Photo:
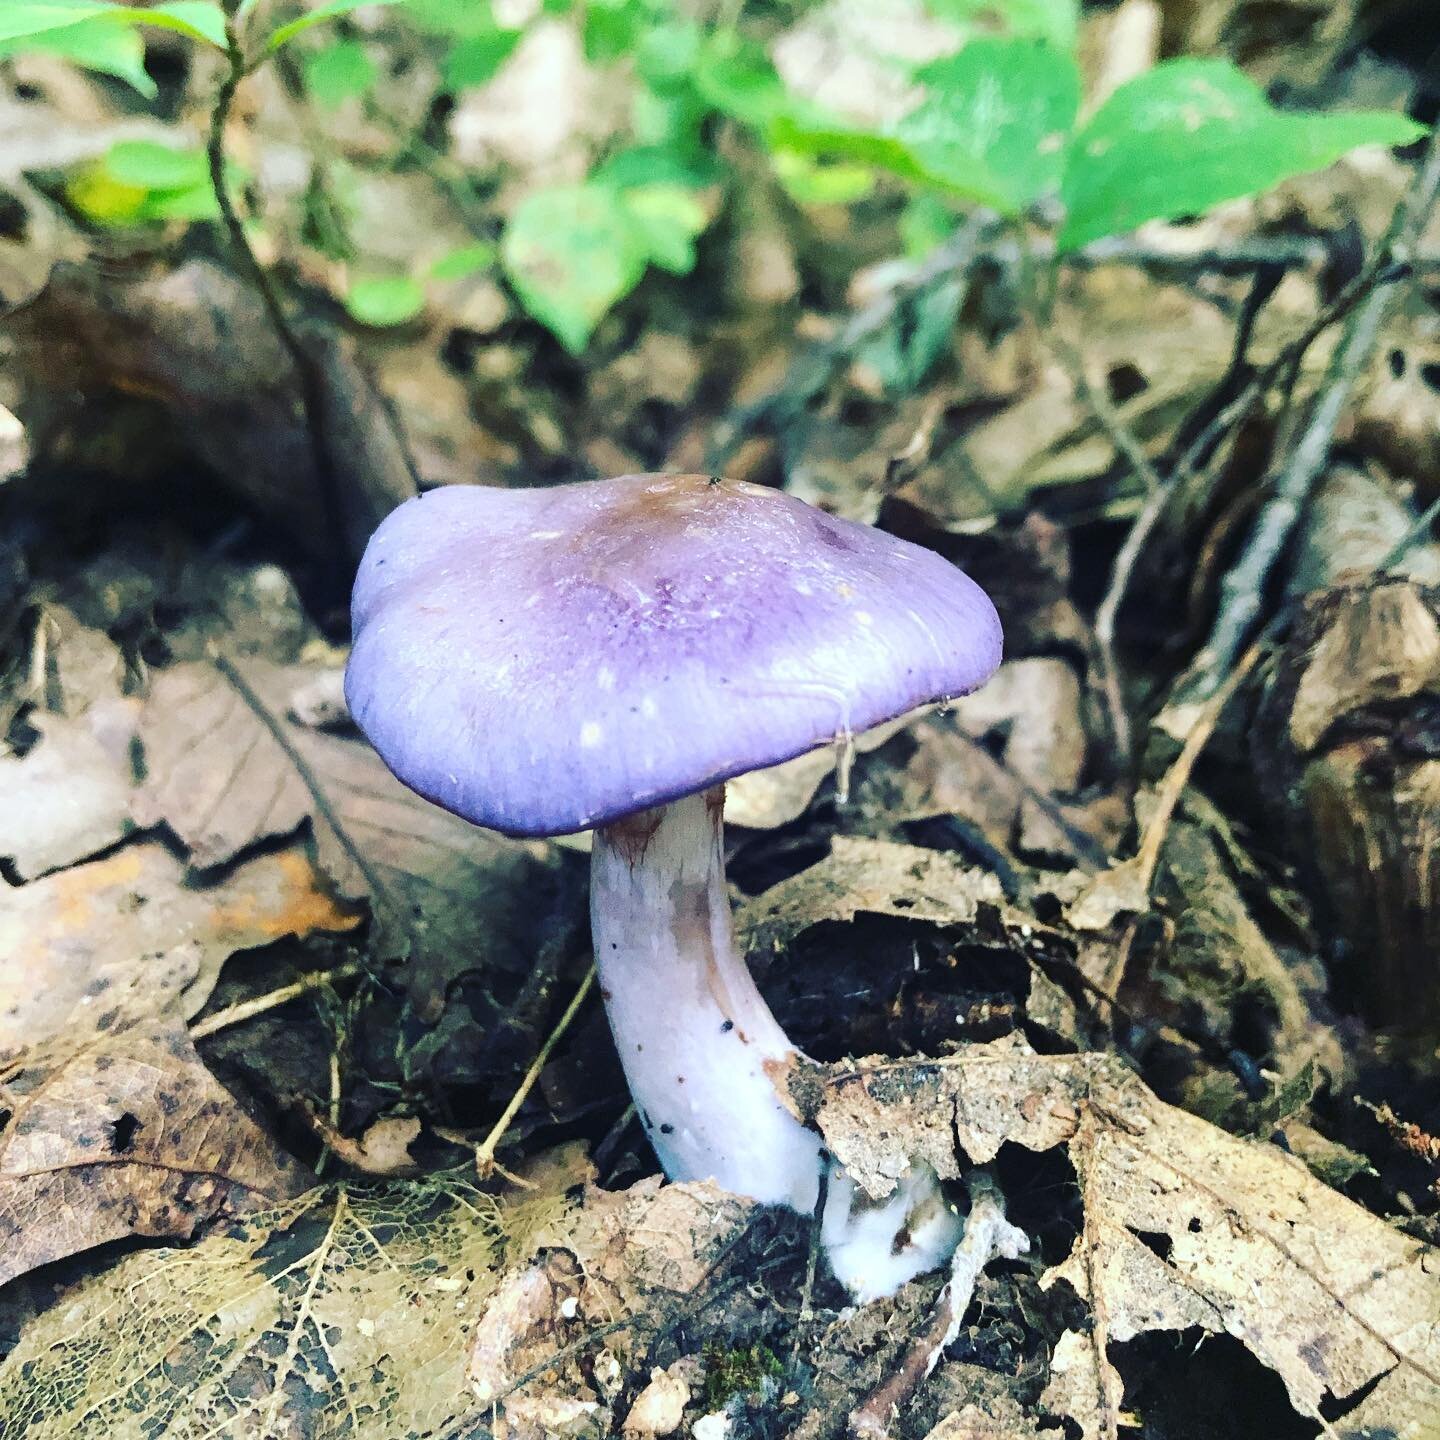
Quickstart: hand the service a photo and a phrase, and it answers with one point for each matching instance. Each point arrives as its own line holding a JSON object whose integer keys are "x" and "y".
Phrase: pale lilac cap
{"x": 542, "y": 661}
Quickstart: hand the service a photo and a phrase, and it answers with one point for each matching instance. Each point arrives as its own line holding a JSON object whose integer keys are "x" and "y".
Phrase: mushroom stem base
{"x": 695, "y": 1036}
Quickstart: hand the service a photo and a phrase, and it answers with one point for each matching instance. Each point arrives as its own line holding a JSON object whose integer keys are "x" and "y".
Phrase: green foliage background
{"x": 997, "y": 124}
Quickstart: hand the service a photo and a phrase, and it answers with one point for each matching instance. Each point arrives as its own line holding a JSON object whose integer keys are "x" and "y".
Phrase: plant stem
{"x": 307, "y": 370}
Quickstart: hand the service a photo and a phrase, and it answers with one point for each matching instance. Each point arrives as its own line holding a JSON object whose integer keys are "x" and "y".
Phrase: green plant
{"x": 997, "y": 124}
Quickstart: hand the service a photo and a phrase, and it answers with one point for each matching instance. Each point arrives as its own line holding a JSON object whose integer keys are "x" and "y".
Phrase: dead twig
{"x": 988, "y": 1236}
{"x": 244, "y": 1010}
{"x": 485, "y": 1151}
{"x": 1129, "y": 447}
{"x": 1243, "y": 589}
{"x": 1177, "y": 777}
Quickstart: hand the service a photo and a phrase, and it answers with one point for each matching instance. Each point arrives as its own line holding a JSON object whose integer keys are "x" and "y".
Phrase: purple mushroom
{"x": 604, "y": 656}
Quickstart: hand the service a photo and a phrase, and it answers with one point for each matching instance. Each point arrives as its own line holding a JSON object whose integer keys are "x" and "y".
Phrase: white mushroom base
{"x": 699, "y": 1046}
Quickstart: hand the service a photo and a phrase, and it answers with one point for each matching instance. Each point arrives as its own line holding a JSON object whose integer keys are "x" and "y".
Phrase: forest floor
{"x": 301, "y": 1131}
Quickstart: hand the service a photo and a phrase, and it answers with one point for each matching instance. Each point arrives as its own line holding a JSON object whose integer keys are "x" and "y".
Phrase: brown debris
{"x": 126, "y": 1135}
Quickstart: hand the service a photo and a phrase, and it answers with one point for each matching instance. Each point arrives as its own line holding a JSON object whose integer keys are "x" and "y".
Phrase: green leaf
{"x": 612, "y": 28}
{"x": 735, "y": 77}
{"x": 96, "y": 44}
{"x": 384, "y": 300}
{"x": 571, "y": 253}
{"x": 992, "y": 127}
{"x": 927, "y": 221}
{"x": 199, "y": 19}
{"x": 815, "y": 182}
{"x": 666, "y": 220}
{"x": 995, "y": 120}
{"x": 906, "y": 351}
{"x": 475, "y": 60}
{"x": 1054, "y": 20}
{"x": 468, "y": 260}
{"x": 149, "y": 165}
{"x": 1191, "y": 133}
{"x": 455, "y": 19}
{"x": 657, "y": 165}
{"x": 338, "y": 73}
{"x": 318, "y": 16}
{"x": 139, "y": 182}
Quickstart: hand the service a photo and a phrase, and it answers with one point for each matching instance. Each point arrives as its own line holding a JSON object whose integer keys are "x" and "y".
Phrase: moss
{"x": 741, "y": 1371}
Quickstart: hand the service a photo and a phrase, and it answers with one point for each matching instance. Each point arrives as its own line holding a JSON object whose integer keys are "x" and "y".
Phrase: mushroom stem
{"x": 700, "y": 1048}
{"x": 694, "y": 1034}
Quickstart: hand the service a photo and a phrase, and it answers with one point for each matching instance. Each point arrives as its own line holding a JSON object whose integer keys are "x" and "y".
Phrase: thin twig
{"x": 1204, "y": 452}
{"x": 380, "y": 895}
{"x": 307, "y": 371}
{"x": 485, "y": 1150}
{"x": 1129, "y": 447}
{"x": 1177, "y": 777}
{"x": 814, "y": 368}
{"x": 244, "y": 1010}
{"x": 1243, "y": 589}
{"x": 1420, "y": 530}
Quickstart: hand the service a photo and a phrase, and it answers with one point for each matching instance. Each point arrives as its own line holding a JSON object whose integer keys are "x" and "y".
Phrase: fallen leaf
{"x": 870, "y": 876}
{"x": 132, "y": 377}
{"x": 627, "y": 1261}
{"x": 1002, "y": 1419}
{"x": 344, "y": 1313}
{"x": 74, "y": 944}
{"x": 227, "y": 768}
{"x": 1185, "y": 1226}
{"x": 128, "y": 1134}
{"x": 767, "y": 799}
{"x": 68, "y": 797}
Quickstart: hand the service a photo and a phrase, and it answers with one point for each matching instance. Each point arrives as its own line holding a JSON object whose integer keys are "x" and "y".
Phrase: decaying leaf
{"x": 163, "y": 357}
{"x": 128, "y": 1134}
{"x": 870, "y": 876}
{"x": 371, "y": 1312}
{"x": 1000, "y": 1420}
{"x": 1030, "y": 711}
{"x": 344, "y": 1313}
{"x": 1185, "y": 1226}
{"x": 227, "y": 768}
{"x": 68, "y": 797}
{"x": 765, "y": 799}
{"x": 632, "y": 1258}
{"x": 82, "y": 947}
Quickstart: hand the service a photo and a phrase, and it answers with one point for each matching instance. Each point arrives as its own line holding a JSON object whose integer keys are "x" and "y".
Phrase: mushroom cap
{"x": 543, "y": 661}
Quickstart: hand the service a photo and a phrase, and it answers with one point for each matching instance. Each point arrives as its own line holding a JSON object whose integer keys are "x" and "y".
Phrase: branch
{"x": 1242, "y": 592}
{"x": 813, "y": 370}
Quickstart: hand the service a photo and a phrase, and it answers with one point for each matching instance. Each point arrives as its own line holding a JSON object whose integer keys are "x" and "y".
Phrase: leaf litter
{"x": 1052, "y": 1006}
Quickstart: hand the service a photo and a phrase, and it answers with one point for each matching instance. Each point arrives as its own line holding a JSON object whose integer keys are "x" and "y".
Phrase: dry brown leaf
{"x": 766, "y": 799}
{"x": 68, "y": 797}
{"x": 1032, "y": 708}
{"x": 128, "y": 1134}
{"x": 1001, "y": 1419}
{"x": 868, "y": 876}
{"x": 79, "y": 664}
{"x": 1185, "y": 1226}
{"x": 83, "y": 946}
{"x": 228, "y": 768}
